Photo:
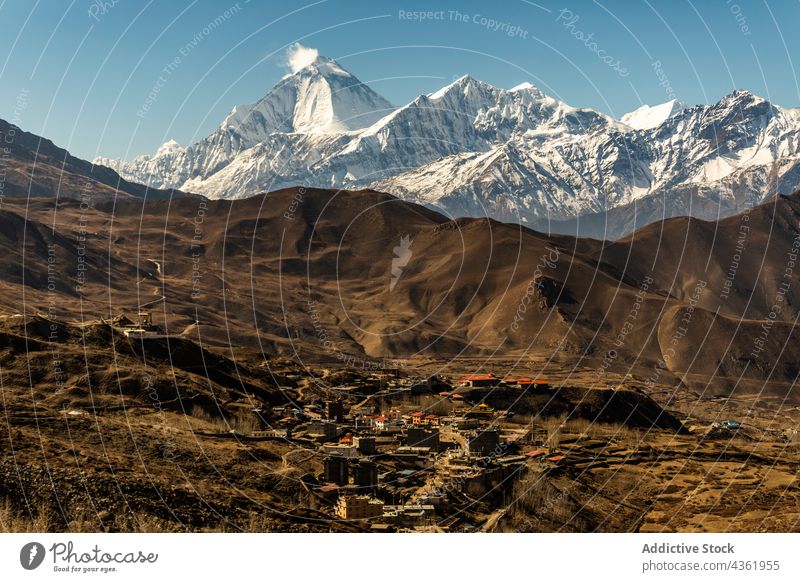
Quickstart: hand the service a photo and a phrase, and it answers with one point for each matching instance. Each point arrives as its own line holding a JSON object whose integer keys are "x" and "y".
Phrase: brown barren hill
{"x": 360, "y": 274}
{"x": 35, "y": 166}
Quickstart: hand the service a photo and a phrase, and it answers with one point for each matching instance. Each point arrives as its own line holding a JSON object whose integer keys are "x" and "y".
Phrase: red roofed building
{"x": 421, "y": 419}
{"x": 527, "y": 382}
{"x": 517, "y": 380}
{"x": 479, "y": 380}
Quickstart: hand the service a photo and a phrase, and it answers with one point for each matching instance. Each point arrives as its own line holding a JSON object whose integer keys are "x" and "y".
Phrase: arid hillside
{"x": 362, "y": 276}
{"x": 35, "y": 166}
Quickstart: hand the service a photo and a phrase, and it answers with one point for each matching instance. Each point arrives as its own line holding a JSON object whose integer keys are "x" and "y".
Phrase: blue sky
{"x": 79, "y": 72}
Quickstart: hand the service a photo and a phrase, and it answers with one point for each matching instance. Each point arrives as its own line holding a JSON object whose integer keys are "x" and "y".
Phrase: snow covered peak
{"x": 523, "y": 87}
{"x": 472, "y": 149}
{"x": 740, "y": 100}
{"x": 465, "y": 85}
{"x": 647, "y": 117}
{"x": 746, "y": 111}
{"x": 324, "y": 66}
{"x": 168, "y": 148}
{"x": 739, "y": 96}
{"x": 320, "y": 97}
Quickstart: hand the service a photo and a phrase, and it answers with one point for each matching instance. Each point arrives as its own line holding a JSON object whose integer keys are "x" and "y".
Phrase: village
{"x": 415, "y": 448}
{"x": 469, "y": 446}
{"x": 395, "y": 464}
{"x": 387, "y": 451}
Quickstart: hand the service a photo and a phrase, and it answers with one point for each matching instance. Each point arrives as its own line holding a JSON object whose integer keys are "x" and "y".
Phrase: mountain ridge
{"x": 473, "y": 149}
{"x": 34, "y": 166}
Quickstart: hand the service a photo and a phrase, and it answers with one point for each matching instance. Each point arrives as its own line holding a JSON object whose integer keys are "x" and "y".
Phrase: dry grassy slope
{"x": 753, "y": 252}
{"x": 293, "y": 270}
{"x": 682, "y": 251}
{"x": 90, "y": 367}
{"x": 107, "y": 434}
{"x": 723, "y": 346}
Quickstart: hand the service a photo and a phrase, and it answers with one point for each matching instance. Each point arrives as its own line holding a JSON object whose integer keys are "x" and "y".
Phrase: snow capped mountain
{"x": 170, "y": 147}
{"x": 320, "y": 98}
{"x": 647, "y": 117}
{"x": 472, "y": 148}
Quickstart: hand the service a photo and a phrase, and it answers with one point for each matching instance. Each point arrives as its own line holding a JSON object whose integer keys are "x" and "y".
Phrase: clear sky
{"x": 119, "y": 77}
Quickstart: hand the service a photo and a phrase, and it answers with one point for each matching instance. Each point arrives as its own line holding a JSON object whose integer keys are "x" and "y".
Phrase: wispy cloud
{"x": 299, "y": 56}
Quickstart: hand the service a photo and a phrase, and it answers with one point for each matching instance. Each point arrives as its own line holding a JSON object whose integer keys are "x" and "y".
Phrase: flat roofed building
{"x": 365, "y": 474}
{"x": 334, "y": 410}
{"x": 483, "y": 442}
{"x": 336, "y": 470}
{"x": 366, "y": 445}
{"x": 340, "y": 449}
{"x": 423, "y": 437}
{"x": 359, "y": 507}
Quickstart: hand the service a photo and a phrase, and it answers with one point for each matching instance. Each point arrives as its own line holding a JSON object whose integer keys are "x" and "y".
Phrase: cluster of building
{"x": 392, "y": 465}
